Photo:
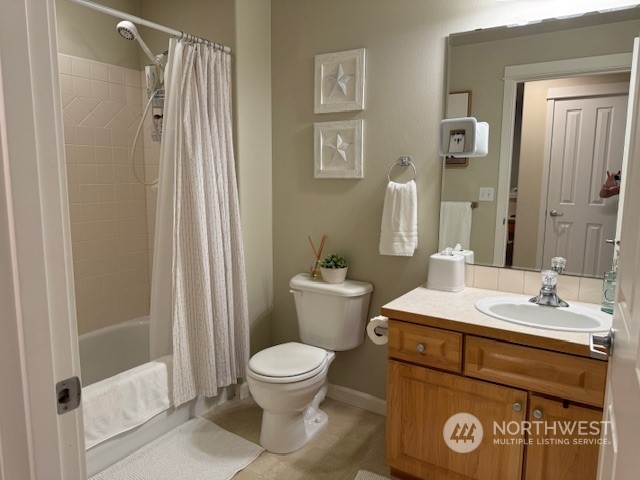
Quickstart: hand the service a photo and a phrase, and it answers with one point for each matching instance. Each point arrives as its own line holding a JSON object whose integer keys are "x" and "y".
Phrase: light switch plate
{"x": 486, "y": 194}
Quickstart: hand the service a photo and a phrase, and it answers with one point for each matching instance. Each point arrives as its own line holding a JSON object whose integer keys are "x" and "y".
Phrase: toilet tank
{"x": 331, "y": 316}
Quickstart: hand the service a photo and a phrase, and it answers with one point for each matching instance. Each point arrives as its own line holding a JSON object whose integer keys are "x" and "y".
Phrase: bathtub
{"x": 116, "y": 349}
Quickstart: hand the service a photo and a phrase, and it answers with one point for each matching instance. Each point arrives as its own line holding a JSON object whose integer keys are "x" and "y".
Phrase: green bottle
{"x": 609, "y": 285}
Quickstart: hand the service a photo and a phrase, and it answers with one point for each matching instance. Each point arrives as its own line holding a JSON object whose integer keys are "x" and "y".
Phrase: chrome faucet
{"x": 548, "y": 296}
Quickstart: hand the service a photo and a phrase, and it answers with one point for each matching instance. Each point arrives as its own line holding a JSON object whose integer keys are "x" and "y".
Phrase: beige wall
{"x": 405, "y": 42}
{"x": 85, "y": 33}
{"x": 211, "y": 19}
{"x": 253, "y": 140}
{"x": 480, "y": 67}
{"x": 532, "y": 155}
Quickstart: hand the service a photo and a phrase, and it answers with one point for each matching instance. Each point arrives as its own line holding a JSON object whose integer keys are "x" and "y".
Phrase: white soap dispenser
{"x": 446, "y": 271}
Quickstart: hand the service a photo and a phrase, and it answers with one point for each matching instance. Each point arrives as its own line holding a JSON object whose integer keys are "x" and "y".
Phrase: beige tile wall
{"x": 581, "y": 289}
{"x": 102, "y": 104}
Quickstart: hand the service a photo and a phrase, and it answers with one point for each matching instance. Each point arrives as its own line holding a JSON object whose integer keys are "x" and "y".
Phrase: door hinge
{"x": 68, "y": 393}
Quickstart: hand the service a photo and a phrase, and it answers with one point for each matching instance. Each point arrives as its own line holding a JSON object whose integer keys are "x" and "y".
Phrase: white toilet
{"x": 288, "y": 381}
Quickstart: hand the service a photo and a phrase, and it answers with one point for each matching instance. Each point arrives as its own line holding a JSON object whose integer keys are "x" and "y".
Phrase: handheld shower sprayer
{"x": 128, "y": 31}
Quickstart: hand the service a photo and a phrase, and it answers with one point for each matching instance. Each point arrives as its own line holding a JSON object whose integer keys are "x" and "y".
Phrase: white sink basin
{"x": 568, "y": 319}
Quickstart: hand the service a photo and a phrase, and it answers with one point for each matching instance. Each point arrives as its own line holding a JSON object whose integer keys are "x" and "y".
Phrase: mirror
{"x": 554, "y": 94}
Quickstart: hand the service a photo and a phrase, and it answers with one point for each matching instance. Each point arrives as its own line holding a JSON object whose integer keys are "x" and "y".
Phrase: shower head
{"x": 128, "y": 31}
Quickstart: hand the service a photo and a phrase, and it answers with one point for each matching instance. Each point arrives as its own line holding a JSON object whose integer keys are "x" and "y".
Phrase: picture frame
{"x": 338, "y": 149}
{"x": 458, "y": 105}
{"x": 339, "y": 81}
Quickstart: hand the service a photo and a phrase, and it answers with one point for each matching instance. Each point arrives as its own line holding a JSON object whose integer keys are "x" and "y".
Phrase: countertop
{"x": 457, "y": 311}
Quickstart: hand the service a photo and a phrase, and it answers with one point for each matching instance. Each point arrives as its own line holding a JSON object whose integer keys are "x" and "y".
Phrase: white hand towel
{"x": 126, "y": 400}
{"x": 455, "y": 225}
{"x": 399, "y": 228}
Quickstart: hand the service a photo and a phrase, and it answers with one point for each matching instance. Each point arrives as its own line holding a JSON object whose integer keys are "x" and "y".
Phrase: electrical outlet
{"x": 486, "y": 194}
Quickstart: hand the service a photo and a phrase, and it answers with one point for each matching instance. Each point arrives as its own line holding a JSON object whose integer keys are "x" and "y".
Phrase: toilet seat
{"x": 287, "y": 363}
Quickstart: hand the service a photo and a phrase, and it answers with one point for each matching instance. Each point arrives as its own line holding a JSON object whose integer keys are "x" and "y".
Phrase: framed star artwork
{"x": 338, "y": 149}
{"x": 339, "y": 81}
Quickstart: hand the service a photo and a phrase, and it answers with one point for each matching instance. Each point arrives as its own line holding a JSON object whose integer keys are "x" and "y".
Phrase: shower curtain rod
{"x": 141, "y": 21}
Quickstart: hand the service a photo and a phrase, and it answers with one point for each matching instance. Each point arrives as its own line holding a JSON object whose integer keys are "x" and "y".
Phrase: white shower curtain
{"x": 199, "y": 307}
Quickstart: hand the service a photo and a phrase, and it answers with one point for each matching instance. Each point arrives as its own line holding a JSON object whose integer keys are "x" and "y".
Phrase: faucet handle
{"x": 549, "y": 278}
{"x": 558, "y": 264}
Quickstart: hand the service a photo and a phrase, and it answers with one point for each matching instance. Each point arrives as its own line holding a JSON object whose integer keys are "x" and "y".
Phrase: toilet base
{"x": 287, "y": 432}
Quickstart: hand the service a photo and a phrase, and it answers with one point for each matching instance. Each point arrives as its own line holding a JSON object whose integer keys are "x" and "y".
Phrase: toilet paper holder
{"x": 380, "y": 331}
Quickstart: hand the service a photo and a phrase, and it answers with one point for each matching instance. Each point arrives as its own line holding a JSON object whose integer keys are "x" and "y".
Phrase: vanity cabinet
{"x": 575, "y": 460}
{"x": 434, "y": 373}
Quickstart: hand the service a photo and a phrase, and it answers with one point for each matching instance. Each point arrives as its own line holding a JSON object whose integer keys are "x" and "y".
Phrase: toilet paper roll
{"x": 380, "y": 323}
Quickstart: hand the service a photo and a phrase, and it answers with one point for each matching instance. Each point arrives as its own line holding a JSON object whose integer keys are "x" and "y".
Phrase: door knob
{"x": 600, "y": 346}
{"x": 555, "y": 213}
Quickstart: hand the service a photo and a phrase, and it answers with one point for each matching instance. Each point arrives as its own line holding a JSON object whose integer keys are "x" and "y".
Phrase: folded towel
{"x": 399, "y": 228}
{"x": 455, "y": 225}
{"x": 126, "y": 400}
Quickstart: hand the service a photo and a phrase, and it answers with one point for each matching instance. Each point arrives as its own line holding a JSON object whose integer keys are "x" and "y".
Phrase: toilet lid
{"x": 287, "y": 360}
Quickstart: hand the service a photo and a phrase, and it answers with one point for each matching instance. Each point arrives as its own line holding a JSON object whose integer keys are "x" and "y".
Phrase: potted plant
{"x": 333, "y": 268}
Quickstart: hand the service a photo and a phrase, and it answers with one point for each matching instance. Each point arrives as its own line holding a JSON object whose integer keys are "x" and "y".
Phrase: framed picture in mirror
{"x": 458, "y": 105}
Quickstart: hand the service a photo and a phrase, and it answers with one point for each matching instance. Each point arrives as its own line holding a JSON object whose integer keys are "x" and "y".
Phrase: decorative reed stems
{"x": 315, "y": 269}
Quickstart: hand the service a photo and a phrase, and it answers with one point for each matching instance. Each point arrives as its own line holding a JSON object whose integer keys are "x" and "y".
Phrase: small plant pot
{"x": 334, "y": 275}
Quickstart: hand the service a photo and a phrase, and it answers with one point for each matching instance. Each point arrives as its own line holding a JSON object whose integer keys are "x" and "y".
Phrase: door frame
{"x": 38, "y": 328}
{"x": 514, "y": 74}
{"x": 554, "y": 94}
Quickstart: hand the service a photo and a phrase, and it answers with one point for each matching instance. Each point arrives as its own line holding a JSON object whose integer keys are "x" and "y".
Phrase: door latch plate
{"x": 68, "y": 393}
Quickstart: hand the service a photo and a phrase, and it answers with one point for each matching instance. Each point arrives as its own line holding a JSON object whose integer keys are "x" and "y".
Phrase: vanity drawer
{"x": 427, "y": 346}
{"x": 565, "y": 376}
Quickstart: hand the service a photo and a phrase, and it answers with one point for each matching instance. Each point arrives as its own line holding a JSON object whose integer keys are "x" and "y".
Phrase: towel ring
{"x": 404, "y": 162}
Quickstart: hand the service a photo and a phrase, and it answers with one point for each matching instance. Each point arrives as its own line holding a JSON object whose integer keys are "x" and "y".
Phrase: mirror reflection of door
{"x": 587, "y": 139}
{"x": 571, "y": 132}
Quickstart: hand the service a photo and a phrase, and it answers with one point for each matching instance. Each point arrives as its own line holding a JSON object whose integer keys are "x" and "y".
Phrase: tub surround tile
{"x": 99, "y": 71}
{"x": 64, "y": 64}
{"x": 80, "y": 67}
{"x": 116, "y": 74}
{"x": 85, "y": 154}
{"x": 109, "y": 210}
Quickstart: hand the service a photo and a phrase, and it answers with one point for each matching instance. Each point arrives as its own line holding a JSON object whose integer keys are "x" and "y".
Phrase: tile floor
{"x": 353, "y": 440}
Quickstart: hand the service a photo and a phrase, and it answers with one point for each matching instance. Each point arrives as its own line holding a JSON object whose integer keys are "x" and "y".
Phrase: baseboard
{"x": 357, "y": 399}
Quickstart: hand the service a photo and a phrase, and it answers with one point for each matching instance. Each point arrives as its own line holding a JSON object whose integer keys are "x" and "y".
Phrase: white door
{"x": 38, "y": 340}
{"x": 619, "y": 458}
{"x": 587, "y": 138}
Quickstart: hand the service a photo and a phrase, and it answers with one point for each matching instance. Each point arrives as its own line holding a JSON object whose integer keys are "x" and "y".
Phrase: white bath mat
{"x": 366, "y": 475}
{"x": 196, "y": 450}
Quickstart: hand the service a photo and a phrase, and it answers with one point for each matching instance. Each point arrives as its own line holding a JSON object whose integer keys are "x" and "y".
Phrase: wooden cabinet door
{"x": 556, "y": 449}
{"x": 419, "y": 403}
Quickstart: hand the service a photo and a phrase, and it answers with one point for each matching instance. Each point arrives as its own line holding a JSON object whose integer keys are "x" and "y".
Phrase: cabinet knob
{"x": 537, "y": 414}
{"x": 517, "y": 407}
{"x": 420, "y": 347}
